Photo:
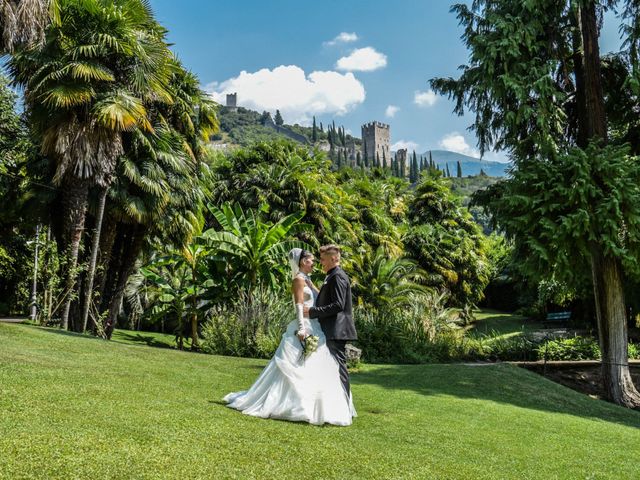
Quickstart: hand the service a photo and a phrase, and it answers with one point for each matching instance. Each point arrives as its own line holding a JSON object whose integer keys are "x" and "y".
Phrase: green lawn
{"x": 501, "y": 323}
{"x": 152, "y": 339}
{"x": 78, "y": 407}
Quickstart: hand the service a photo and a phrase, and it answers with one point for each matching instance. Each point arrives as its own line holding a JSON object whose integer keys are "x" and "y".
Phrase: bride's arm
{"x": 297, "y": 289}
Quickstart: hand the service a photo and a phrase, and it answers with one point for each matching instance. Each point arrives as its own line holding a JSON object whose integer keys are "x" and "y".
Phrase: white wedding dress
{"x": 297, "y": 389}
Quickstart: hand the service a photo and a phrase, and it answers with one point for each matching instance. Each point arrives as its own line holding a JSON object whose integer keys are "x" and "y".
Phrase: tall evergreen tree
{"x": 448, "y": 173}
{"x": 278, "y": 119}
{"x": 458, "y": 169}
{"x": 523, "y": 99}
{"x": 358, "y": 159}
{"x": 314, "y": 132}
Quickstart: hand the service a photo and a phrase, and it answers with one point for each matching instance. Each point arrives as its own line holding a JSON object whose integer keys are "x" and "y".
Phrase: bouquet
{"x": 309, "y": 345}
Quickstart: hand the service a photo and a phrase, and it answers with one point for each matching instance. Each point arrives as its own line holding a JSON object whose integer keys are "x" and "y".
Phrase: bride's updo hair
{"x": 304, "y": 254}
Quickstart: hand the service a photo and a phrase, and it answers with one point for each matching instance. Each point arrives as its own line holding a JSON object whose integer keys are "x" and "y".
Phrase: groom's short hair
{"x": 331, "y": 250}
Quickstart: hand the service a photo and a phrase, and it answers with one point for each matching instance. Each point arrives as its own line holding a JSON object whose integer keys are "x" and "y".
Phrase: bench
{"x": 557, "y": 318}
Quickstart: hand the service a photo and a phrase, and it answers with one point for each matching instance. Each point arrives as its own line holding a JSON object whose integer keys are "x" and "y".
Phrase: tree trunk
{"x": 594, "y": 119}
{"x": 113, "y": 264}
{"x": 130, "y": 254}
{"x": 194, "y": 312}
{"x": 578, "y": 71}
{"x": 607, "y": 273}
{"x": 75, "y": 202}
{"x": 92, "y": 261}
{"x": 612, "y": 329}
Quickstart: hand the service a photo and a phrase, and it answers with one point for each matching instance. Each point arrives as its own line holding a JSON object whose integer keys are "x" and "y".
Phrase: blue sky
{"x": 291, "y": 54}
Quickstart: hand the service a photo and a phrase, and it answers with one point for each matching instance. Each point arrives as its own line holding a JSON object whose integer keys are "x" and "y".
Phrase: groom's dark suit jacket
{"x": 333, "y": 307}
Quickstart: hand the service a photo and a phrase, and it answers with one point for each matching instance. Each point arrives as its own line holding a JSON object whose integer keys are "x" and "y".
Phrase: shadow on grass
{"x": 129, "y": 337}
{"x": 505, "y": 384}
{"x": 123, "y": 337}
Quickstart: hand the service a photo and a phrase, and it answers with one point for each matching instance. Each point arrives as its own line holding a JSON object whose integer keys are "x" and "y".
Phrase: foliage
{"x": 424, "y": 330}
{"x": 251, "y": 326}
{"x": 446, "y": 242}
{"x": 381, "y": 282}
{"x": 576, "y": 348}
{"x": 177, "y": 283}
{"x": 284, "y": 178}
{"x": 566, "y": 204}
{"x": 251, "y": 250}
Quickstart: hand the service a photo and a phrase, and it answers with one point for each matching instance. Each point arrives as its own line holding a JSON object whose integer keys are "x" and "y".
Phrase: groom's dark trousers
{"x": 333, "y": 310}
{"x": 337, "y": 349}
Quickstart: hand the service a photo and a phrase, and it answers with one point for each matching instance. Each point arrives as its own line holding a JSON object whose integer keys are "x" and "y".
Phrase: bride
{"x": 292, "y": 387}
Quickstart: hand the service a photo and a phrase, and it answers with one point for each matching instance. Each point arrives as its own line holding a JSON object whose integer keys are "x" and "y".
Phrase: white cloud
{"x": 425, "y": 99}
{"x": 455, "y": 142}
{"x": 297, "y": 95}
{"x": 343, "y": 37}
{"x": 391, "y": 111}
{"x": 408, "y": 144}
{"x": 364, "y": 59}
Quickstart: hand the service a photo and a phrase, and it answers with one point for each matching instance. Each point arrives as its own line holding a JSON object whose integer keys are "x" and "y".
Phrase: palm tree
{"x": 160, "y": 184}
{"x": 84, "y": 87}
{"x": 180, "y": 279}
{"x": 383, "y": 282}
{"x": 23, "y": 22}
{"x": 253, "y": 251}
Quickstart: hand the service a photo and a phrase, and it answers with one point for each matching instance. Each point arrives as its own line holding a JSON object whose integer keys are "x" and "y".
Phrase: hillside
{"x": 470, "y": 165}
{"x": 79, "y": 407}
{"x": 243, "y": 127}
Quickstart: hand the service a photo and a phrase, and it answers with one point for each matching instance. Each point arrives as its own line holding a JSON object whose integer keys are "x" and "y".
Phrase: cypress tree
{"x": 384, "y": 160}
{"x": 448, "y": 174}
{"x": 459, "y": 170}
{"x": 358, "y": 158}
{"x": 314, "y": 132}
{"x": 279, "y": 120}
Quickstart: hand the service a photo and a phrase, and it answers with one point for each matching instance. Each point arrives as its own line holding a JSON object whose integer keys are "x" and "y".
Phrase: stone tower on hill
{"x": 232, "y": 101}
{"x": 375, "y": 142}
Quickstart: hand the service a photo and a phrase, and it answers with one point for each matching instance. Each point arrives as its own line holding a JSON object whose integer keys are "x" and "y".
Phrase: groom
{"x": 333, "y": 310}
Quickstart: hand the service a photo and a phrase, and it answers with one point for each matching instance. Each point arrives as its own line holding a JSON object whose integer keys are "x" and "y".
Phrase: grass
{"x": 78, "y": 407}
{"x": 151, "y": 339}
{"x": 501, "y": 323}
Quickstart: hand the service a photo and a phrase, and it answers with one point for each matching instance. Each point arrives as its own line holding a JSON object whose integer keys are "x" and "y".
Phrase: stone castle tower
{"x": 375, "y": 140}
{"x": 232, "y": 101}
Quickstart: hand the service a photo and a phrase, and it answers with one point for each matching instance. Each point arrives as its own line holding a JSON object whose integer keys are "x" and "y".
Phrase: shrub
{"x": 425, "y": 331}
{"x": 250, "y": 327}
{"x": 575, "y": 348}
